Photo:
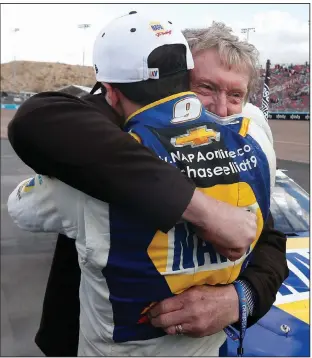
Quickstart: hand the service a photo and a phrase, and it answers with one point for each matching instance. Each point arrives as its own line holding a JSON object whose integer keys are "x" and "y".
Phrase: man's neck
{"x": 129, "y": 108}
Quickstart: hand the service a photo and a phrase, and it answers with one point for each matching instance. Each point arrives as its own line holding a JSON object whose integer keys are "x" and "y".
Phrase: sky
{"x": 49, "y": 32}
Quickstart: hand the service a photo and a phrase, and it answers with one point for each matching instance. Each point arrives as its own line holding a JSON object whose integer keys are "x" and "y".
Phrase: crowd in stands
{"x": 289, "y": 88}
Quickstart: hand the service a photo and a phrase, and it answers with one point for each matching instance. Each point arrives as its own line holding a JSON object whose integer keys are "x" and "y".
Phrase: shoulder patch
{"x": 29, "y": 185}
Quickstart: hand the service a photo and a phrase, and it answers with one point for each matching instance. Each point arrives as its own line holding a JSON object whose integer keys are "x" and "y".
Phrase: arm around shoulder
{"x": 80, "y": 142}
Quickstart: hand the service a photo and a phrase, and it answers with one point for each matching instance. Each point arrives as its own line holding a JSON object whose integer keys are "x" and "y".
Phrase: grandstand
{"x": 289, "y": 89}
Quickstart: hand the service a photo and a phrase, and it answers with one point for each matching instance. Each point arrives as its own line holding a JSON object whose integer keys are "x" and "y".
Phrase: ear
{"x": 111, "y": 95}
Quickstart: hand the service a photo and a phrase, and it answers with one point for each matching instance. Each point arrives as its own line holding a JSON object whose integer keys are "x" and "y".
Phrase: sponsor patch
{"x": 29, "y": 185}
{"x": 153, "y": 73}
{"x": 159, "y": 29}
{"x": 196, "y": 137}
{"x": 156, "y": 26}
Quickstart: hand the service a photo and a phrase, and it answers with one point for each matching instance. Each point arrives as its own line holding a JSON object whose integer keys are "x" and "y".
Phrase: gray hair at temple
{"x": 232, "y": 51}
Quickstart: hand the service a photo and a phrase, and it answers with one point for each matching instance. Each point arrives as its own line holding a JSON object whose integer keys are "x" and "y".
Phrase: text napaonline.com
{"x": 232, "y": 166}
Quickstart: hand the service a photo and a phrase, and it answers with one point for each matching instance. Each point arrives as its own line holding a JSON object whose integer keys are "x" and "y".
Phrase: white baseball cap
{"x": 122, "y": 48}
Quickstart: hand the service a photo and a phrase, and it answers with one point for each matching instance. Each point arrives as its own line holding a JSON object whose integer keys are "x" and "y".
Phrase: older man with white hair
{"x": 224, "y": 76}
{"x": 98, "y": 157}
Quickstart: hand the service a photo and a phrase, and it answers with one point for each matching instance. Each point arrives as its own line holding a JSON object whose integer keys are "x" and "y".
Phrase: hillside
{"x": 43, "y": 76}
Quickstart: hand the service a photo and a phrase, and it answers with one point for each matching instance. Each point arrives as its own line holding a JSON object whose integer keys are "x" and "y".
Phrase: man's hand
{"x": 201, "y": 311}
{"x": 230, "y": 229}
{"x": 231, "y": 254}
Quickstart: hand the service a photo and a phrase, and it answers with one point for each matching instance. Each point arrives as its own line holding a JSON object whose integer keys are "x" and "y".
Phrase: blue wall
{"x": 10, "y": 106}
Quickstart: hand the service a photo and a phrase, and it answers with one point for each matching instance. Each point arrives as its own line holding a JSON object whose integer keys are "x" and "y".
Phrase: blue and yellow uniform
{"x": 226, "y": 163}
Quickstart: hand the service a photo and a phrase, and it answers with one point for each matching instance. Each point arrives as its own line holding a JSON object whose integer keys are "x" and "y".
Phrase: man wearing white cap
{"x": 127, "y": 265}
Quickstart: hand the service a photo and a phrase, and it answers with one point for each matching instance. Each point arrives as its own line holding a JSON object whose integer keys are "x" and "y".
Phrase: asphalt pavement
{"x": 25, "y": 264}
{"x": 26, "y": 260}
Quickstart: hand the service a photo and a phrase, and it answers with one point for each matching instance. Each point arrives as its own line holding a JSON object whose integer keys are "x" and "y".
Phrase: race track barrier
{"x": 300, "y": 116}
{"x": 10, "y": 106}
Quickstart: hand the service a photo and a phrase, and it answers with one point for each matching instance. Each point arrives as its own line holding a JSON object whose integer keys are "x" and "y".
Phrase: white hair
{"x": 232, "y": 51}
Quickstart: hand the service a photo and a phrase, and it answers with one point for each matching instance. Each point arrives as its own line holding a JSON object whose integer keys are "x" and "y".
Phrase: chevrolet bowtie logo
{"x": 196, "y": 137}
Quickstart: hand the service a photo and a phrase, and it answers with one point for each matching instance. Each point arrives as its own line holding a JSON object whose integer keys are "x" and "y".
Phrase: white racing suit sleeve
{"x": 253, "y": 112}
{"x": 44, "y": 204}
{"x": 260, "y": 130}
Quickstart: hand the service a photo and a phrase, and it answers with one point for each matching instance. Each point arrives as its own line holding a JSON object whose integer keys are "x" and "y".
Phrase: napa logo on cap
{"x": 156, "y": 26}
{"x": 159, "y": 29}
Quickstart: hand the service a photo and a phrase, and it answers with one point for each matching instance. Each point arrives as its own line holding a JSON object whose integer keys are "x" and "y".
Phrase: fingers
{"x": 166, "y": 320}
{"x": 231, "y": 254}
{"x": 186, "y": 330}
{"x": 168, "y": 305}
{"x": 236, "y": 254}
